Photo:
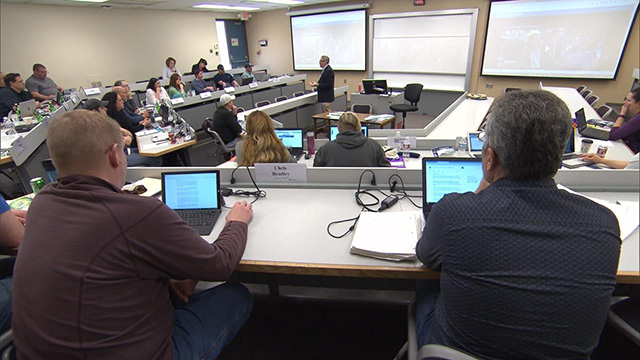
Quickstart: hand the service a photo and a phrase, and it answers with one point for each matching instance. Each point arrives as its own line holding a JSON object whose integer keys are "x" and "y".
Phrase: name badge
{"x": 177, "y": 101}
{"x": 205, "y": 95}
{"x": 412, "y": 141}
{"x": 281, "y": 173}
{"x": 253, "y": 85}
{"x": 19, "y": 146}
{"x": 229, "y": 89}
{"x": 92, "y": 91}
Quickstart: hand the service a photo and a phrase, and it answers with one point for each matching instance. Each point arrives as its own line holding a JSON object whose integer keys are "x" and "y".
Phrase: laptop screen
{"x": 441, "y": 176}
{"x": 291, "y": 138}
{"x": 581, "y": 120}
{"x": 571, "y": 144}
{"x": 191, "y": 190}
{"x": 334, "y": 131}
{"x": 475, "y": 144}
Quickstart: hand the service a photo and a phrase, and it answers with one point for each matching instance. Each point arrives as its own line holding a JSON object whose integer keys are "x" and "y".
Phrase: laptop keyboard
{"x": 197, "y": 217}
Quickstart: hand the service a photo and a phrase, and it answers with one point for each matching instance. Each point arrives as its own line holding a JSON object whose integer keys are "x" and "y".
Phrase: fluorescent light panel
{"x": 283, "y": 2}
{"x": 225, "y": 7}
{"x": 89, "y": 1}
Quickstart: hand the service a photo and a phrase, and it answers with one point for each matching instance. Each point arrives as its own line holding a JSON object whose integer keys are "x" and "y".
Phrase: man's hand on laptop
{"x": 241, "y": 211}
{"x": 183, "y": 288}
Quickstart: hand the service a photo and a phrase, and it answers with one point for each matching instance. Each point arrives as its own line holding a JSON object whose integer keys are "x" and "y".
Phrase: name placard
{"x": 412, "y": 141}
{"x": 205, "y": 95}
{"x": 19, "y": 146}
{"x": 229, "y": 89}
{"x": 276, "y": 80}
{"x": 281, "y": 173}
{"x": 92, "y": 91}
{"x": 253, "y": 85}
{"x": 177, "y": 101}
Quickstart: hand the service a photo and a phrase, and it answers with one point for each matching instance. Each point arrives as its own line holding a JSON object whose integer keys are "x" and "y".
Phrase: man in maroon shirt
{"x": 92, "y": 276}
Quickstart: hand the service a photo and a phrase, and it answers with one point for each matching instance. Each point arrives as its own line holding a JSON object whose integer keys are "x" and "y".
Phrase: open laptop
{"x": 588, "y": 131}
{"x": 441, "y": 176}
{"x": 246, "y": 81}
{"x": 194, "y": 196}
{"x": 570, "y": 149}
{"x": 27, "y": 107}
{"x": 474, "y": 143}
{"x": 335, "y": 131}
{"x": 292, "y": 139}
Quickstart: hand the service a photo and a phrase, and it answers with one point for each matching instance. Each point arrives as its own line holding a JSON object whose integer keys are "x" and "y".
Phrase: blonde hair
{"x": 260, "y": 144}
{"x": 349, "y": 121}
{"x": 78, "y": 140}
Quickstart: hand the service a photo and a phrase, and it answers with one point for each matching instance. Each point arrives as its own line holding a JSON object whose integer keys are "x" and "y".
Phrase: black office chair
{"x": 592, "y": 99}
{"x": 625, "y": 317}
{"x": 281, "y": 98}
{"x": 604, "y": 111}
{"x": 227, "y": 152}
{"x": 412, "y": 94}
{"x": 581, "y": 88}
{"x": 298, "y": 93}
{"x": 585, "y": 94}
{"x": 361, "y": 108}
{"x": 262, "y": 103}
{"x": 240, "y": 109}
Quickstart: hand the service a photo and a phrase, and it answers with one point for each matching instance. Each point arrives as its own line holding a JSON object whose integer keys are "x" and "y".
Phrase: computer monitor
{"x": 374, "y": 86}
{"x": 441, "y": 176}
{"x": 335, "y": 131}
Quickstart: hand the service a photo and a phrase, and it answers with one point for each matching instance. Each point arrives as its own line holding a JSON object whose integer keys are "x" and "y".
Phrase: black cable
{"x": 258, "y": 193}
{"x": 355, "y": 221}
{"x": 392, "y": 187}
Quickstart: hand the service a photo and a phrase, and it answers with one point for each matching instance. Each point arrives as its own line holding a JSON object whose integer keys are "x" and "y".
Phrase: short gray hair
{"x": 528, "y": 131}
{"x": 324, "y": 58}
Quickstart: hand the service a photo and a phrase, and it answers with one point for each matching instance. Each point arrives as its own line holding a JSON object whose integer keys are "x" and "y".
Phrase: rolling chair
{"x": 298, "y": 93}
{"x": 581, "y": 88}
{"x": 624, "y": 316}
{"x": 412, "y": 94}
{"x": 604, "y": 111}
{"x": 592, "y": 99}
{"x": 361, "y": 108}
{"x": 240, "y": 109}
{"x": 262, "y": 103}
{"x": 207, "y": 126}
{"x": 281, "y": 98}
{"x": 6, "y": 345}
{"x": 585, "y": 94}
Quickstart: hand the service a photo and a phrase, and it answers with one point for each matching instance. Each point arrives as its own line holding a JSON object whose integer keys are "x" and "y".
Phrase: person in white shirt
{"x": 155, "y": 92}
{"x": 170, "y": 68}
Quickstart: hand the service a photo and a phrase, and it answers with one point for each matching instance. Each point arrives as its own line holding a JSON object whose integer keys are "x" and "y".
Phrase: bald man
{"x": 102, "y": 274}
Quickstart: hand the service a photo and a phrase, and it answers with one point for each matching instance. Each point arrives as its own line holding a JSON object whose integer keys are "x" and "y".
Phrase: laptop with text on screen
{"x": 194, "y": 196}
{"x": 442, "y": 176}
{"x": 292, "y": 139}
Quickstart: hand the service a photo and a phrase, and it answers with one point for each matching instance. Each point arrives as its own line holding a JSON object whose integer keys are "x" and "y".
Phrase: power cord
{"x": 405, "y": 195}
{"x": 258, "y": 193}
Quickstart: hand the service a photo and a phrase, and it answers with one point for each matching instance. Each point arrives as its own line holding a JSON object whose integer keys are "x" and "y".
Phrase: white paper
{"x": 281, "y": 173}
{"x": 205, "y": 95}
{"x": 388, "y": 233}
{"x": 229, "y": 89}
{"x": 92, "y": 91}
{"x": 253, "y": 85}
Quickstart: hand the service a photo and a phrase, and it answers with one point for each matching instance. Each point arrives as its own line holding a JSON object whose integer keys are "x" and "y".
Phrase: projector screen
{"x": 557, "y": 38}
{"x": 339, "y": 35}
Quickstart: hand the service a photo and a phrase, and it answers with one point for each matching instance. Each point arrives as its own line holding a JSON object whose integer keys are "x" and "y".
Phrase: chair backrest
{"x": 240, "y": 109}
{"x": 592, "y": 99}
{"x": 604, "y": 111}
{"x": 509, "y": 89}
{"x": 434, "y": 351}
{"x": 585, "y": 94}
{"x": 361, "y": 108}
{"x": 298, "y": 93}
{"x": 412, "y": 93}
{"x": 281, "y": 98}
{"x": 207, "y": 126}
{"x": 50, "y": 170}
{"x": 262, "y": 103}
{"x": 581, "y": 88}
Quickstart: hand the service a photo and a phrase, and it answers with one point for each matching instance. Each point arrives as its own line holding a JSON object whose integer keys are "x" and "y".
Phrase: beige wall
{"x": 108, "y": 44}
{"x": 274, "y": 26}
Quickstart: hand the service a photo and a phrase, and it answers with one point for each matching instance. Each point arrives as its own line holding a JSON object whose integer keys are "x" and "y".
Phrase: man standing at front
{"x": 527, "y": 270}
{"x": 95, "y": 265}
{"x": 42, "y": 87}
{"x": 325, "y": 84}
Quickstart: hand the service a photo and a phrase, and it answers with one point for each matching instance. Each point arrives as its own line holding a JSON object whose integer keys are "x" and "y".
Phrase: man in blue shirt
{"x": 11, "y": 231}
{"x": 527, "y": 270}
{"x": 223, "y": 80}
{"x": 199, "y": 85}
{"x": 13, "y": 93}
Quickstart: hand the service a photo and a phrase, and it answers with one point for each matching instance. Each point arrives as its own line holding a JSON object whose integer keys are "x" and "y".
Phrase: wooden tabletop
{"x": 159, "y": 151}
{"x": 5, "y": 160}
{"x": 361, "y": 117}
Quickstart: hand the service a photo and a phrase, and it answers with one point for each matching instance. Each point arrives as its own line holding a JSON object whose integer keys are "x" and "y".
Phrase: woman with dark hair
{"x": 115, "y": 110}
{"x": 201, "y": 65}
{"x": 176, "y": 88}
{"x": 155, "y": 92}
{"x": 627, "y": 125}
{"x": 170, "y": 68}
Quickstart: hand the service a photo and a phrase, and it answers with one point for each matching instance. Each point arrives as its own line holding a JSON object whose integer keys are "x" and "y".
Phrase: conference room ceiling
{"x": 183, "y": 5}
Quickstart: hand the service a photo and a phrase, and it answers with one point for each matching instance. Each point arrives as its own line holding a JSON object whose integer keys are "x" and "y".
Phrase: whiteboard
{"x": 434, "y": 48}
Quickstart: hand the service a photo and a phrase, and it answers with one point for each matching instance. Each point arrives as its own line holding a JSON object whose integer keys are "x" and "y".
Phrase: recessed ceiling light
{"x": 283, "y": 2}
{"x": 225, "y": 7}
{"x": 90, "y": 1}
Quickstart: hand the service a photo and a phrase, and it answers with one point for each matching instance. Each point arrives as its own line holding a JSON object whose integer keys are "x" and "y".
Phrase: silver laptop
{"x": 474, "y": 143}
{"x": 27, "y": 107}
{"x": 194, "y": 196}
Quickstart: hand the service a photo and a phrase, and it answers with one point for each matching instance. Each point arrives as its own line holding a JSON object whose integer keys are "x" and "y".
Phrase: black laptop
{"x": 246, "y": 81}
{"x": 588, "y": 131}
{"x": 292, "y": 139}
{"x": 442, "y": 176}
{"x": 195, "y": 196}
{"x": 570, "y": 149}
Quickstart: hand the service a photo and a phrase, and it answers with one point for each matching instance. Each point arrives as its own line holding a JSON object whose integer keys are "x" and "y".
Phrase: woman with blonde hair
{"x": 351, "y": 147}
{"x": 260, "y": 143}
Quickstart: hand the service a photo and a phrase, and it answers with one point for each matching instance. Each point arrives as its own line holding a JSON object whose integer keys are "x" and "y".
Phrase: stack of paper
{"x": 388, "y": 235}
{"x": 378, "y": 118}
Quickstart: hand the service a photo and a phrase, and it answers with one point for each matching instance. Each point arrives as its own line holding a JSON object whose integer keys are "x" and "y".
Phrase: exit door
{"x": 236, "y": 43}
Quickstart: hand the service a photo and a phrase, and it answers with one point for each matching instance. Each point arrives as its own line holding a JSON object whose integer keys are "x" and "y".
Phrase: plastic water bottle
{"x": 397, "y": 141}
{"x": 406, "y": 146}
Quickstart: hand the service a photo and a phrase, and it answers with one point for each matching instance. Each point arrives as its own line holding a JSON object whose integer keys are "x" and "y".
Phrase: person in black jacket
{"x": 115, "y": 110}
{"x": 325, "y": 84}
{"x": 225, "y": 121}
